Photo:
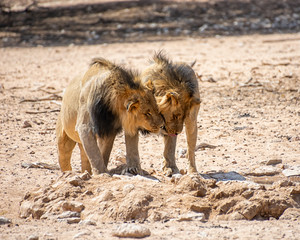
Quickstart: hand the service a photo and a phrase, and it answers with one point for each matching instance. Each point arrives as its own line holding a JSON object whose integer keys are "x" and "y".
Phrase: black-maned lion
{"x": 95, "y": 108}
{"x": 176, "y": 90}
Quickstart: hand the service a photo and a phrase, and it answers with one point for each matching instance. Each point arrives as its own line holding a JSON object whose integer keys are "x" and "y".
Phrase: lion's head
{"x": 142, "y": 113}
{"x": 175, "y": 88}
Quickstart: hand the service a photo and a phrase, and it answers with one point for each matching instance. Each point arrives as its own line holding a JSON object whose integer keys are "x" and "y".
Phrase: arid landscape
{"x": 248, "y": 148}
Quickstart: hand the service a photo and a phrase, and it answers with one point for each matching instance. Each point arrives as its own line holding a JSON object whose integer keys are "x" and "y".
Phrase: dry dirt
{"x": 248, "y": 153}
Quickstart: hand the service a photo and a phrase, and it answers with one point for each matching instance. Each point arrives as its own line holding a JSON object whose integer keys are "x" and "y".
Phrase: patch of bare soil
{"x": 248, "y": 146}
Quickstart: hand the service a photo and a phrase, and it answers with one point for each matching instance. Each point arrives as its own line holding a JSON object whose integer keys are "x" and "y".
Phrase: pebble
{"x": 73, "y": 206}
{"x": 26, "y": 124}
{"x": 33, "y": 237}
{"x": 69, "y": 214}
{"x": 274, "y": 162}
{"x": 131, "y": 230}
{"x": 292, "y": 171}
{"x": 76, "y": 181}
{"x": 88, "y": 222}
{"x": 265, "y": 171}
{"x": 82, "y": 234}
{"x": 4, "y": 220}
{"x": 191, "y": 216}
{"x": 128, "y": 188}
{"x": 181, "y": 152}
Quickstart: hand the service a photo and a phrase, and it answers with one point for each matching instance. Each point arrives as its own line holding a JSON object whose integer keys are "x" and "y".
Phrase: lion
{"x": 176, "y": 91}
{"x": 95, "y": 108}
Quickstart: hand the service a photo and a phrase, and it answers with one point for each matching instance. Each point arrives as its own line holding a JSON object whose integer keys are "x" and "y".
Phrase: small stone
{"x": 176, "y": 177}
{"x": 292, "y": 171}
{"x": 265, "y": 171}
{"x": 128, "y": 188}
{"x": 73, "y": 206}
{"x": 291, "y": 214}
{"x": 85, "y": 176}
{"x": 191, "y": 216}
{"x": 88, "y": 222}
{"x": 26, "y": 124}
{"x": 181, "y": 152}
{"x": 4, "y": 220}
{"x": 68, "y": 214}
{"x": 236, "y": 216}
{"x": 274, "y": 162}
{"x": 131, "y": 230}
{"x": 73, "y": 220}
{"x": 106, "y": 196}
{"x": 76, "y": 181}
{"x": 82, "y": 234}
{"x": 33, "y": 237}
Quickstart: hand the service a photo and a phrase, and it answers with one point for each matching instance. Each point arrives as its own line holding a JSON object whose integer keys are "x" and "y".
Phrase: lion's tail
{"x": 103, "y": 62}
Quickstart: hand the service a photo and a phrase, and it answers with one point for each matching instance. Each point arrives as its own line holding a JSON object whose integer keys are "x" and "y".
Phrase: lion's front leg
{"x": 132, "y": 155}
{"x": 191, "y": 136}
{"x": 169, "y": 165}
{"x": 89, "y": 143}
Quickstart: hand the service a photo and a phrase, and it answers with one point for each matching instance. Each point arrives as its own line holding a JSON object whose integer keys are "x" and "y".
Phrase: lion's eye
{"x": 148, "y": 114}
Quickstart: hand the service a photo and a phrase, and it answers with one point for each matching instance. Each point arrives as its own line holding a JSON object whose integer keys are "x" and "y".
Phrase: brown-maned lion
{"x": 175, "y": 87}
{"x": 95, "y": 108}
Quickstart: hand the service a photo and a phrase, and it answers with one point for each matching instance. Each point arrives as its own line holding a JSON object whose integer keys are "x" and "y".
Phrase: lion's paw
{"x": 132, "y": 170}
{"x": 169, "y": 171}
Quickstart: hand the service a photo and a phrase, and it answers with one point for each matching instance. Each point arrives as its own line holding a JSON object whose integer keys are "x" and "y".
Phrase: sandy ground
{"x": 249, "y": 123}
{"x": 250, "y": 112}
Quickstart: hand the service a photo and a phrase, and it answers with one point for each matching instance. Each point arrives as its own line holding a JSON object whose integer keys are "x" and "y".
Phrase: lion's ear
{"x": 149, "y": 85}
{"x": 195, "y": 101}
{"x": 132, "y": 104}
{"x": 172, "y": 97}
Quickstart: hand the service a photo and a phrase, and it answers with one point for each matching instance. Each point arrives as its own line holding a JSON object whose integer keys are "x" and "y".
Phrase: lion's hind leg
{"x": 85, "y": 163}
{"x": 65, "y": 147}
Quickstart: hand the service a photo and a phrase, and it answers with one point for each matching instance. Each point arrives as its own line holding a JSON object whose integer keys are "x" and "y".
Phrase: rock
{"x": 73, "y": 206}
{"x": 76, "y": 181}
{"x": 176, "y": 177}
{"x": 106, "y": 196}
{"x": 128, "y": 188}
{"x": 200, "y": 208}
{"x": 292, "y": 171}
{"x": 222, "y": 176}
{"x": 181, "y": 152}
{"x": 88, "y": 222}
{"x": 4, "y": 220}
{"x": 291, "y": 214}
{"x": 131, "y": 230}
{"x": 248, "y": 209}
{"x": 33, "y": 237}
{"x": 191, "y": 216}
{"x": 68, "y": 214}
{"x": 274, "y": 161}
{"x": 265, "y": 171}
{"x": 73, "y": 220}
{"x": 26, "y": 124}
{"x": 85, "y": 176}
{"x": 236, "y": 216}
{"x": 82, "y": 234}
{"x": 192, "y": 183}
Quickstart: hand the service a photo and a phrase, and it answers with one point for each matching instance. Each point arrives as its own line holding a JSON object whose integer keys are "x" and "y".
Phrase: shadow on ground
{"x": 37, "y": 23}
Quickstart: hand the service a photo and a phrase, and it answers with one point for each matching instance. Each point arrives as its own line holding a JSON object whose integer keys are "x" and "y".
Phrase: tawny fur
{"x": 176, "y": 90}
{"x": 96, "y": 107}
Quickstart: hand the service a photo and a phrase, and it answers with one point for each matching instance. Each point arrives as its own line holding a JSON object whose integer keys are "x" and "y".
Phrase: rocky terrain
{"x": 248, "y": 147}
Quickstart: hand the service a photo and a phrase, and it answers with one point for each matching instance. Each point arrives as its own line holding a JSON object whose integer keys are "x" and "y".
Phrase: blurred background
{"x": 28, "y": 23}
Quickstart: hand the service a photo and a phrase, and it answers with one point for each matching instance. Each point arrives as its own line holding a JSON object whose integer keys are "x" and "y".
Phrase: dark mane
{"x": 125, "y": 76}
{"x": 172, "y": 75}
